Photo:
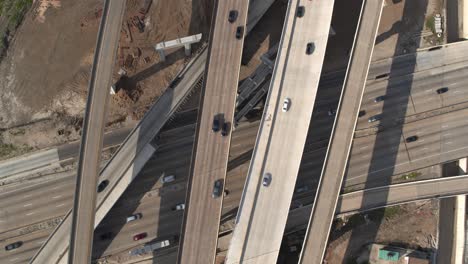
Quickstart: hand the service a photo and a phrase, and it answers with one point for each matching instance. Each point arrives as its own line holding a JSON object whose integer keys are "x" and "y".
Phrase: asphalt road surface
{"x": 329, "y": 187}
{"x": 211, "y": 150}
{"x": 259, "y": 229}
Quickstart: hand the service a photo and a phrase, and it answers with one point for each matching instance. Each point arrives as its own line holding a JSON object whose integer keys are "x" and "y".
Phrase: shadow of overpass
{"x": 413, "y": 10}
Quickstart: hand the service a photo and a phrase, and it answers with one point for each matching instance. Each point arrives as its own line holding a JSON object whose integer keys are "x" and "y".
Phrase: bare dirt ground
{"x": 412, "y": 225}
{"x": 44, "y": 76}
{"x": 405, "y": 23}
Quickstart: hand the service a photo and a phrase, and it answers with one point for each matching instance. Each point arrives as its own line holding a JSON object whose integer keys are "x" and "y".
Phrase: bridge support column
{"x": 162, "y": 55}
{"x": 188, "y": 50}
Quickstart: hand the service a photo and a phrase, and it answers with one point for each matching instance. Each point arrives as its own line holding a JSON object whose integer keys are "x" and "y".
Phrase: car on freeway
{"x": 362, "y": 113}
{"x": 266, "y": 179}
{"x": 300, "y": 11}
{"x": 442, "y": 90}
{"x": 286, "y": 104}
{"x": 217, "y": 189}
{"x": 331, "y": 112}
{"x": 168, "y": 178}
{"x": 179, "y": 207}
{"x": 239, "y": 32}
{"x": 106, "y": 236}
{"x": 216, "y": 124}
{"x": 233, "y": 16}
{"x": 12, "y": 246}
{"x": 301, "y": 189}
{"x": 379, "y": 98}
{"x": 310, "y": 48}
{"x": 225, "y": 129}
{"x": 374, "y": 118}
{"x": 102, "y": 185}
{"x": 411, "y": 139}
{"x": 139, "y": 236}
{"x": 134, "y": 217}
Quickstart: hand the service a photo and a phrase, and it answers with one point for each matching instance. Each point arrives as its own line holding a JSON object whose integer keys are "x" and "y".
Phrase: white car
{"x": 169, "y": 178}
{"x": 179, "y": 207}
{"x": 286, "y": 104}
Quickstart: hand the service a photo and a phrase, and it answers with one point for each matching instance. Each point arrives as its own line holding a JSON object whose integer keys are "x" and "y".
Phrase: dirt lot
{"x": 45, "y": 72}
{"x": 413, "y": 225}
{"x": 404, "y": 27}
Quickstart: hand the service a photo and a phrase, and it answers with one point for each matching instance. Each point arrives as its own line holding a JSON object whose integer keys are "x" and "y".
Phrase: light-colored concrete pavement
{"x": 30, "y": 163}
{"x": 336, "y": 159}
{"x": 259, "y": 230}
{"x": 211, "y": 149}
{"x": 82, "y": 224}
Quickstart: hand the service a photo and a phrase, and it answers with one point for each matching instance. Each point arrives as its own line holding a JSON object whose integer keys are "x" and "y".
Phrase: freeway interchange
{"x": 409, "y": 85}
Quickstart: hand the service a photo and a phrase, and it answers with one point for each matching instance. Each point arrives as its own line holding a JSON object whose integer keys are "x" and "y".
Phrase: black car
{"x": 106, "y": 236}
{"x": 215, "y": 124}
{"x": 362, "y": 113}
{"x": 379, "y": 98}
{"x": 300, "y": 11}
{"x": 102, "y": 185}
{"x": 217, "y": 188}
{"x": 310, "y": 48}
{"x": 239, "y": 32}
{"x": 442, "y": 90}
{"x": 225, "y": 129}
{"x": 411, "y": 139}
{"x": 233, "y": 16}
{"x": 13, "y": 245}
{"x": 175, "y": 82}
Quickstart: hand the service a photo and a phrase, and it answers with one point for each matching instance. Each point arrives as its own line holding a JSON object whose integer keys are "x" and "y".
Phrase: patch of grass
{"x": 410, "y": 176}
{"x": 430, "y": 24}
{"x": 11, "y": 15}
{"x": 391, "y": 212}
{"x": 7, "y": 149}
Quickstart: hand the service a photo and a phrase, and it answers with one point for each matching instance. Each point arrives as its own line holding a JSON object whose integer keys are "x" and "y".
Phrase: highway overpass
{"x": 336, "y": 158}
{"x": 211, "y": 148}
{"x": 82, "y": 224}
{"x": 282, "y": 134}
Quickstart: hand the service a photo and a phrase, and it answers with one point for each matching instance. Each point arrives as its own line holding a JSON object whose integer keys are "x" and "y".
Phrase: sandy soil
{"x": 44, "y": 76}
{"x": 413, "y": 225}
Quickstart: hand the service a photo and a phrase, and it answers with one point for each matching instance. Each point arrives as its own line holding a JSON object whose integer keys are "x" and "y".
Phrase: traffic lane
{"x": 283, "y": 156}
{"x": 421, "y": 88}
{"x": 423, "y": 60}
{"x": 31, "y": 243}
{"x": 112, "y": 138}
{"x": 434, "y": 154}
{"x": 212, "y": 150}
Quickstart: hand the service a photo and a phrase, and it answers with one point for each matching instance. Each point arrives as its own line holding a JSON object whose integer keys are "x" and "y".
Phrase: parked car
{"x": 266, "y": 179}
{"x": 233, "y": 16}
{"x": 178, "y": 207}
{"x": 310, "y": 48}
{"x": 286, "y": 104}
{"x": 379, "y": 98}
{"x": 442, "y": 90}
{"x": 225, "y": 129}
{"x": 106, "y": 236}
{"x": 139, "y": 236}
{"x": 239, "y": 32}
{"x": 300, "y": 11}
{"x": 134, "y": 217}
{"x": 168, "y": 178}
{"x": 215, "y": 127}
{"x": 411, "y": 139}
{"x": 374, "y": 118}
{"x": 102, "y": 185}
{"x": 217, "y": 188}
{"x": 12, "y": 246}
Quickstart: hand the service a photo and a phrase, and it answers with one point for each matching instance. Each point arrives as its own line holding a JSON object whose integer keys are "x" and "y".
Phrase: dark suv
{"x": 239, "y": 32}
{"x": 411, "y": 139}
{"x": 13, "y": 245}
{"x": 215, "y": 124}
{"x": 310, "y": 48}
{"x": 217, "y": 189}
{"x": 225, "y": 129}
{"x": 300, "y": 11}
{"x": 233, "y": 16}
{"x": 442, "y": 90}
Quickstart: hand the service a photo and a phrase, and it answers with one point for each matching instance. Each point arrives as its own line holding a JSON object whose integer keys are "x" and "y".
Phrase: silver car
{"x": 286, "y": 104}
{"x": 266, "y": 179}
